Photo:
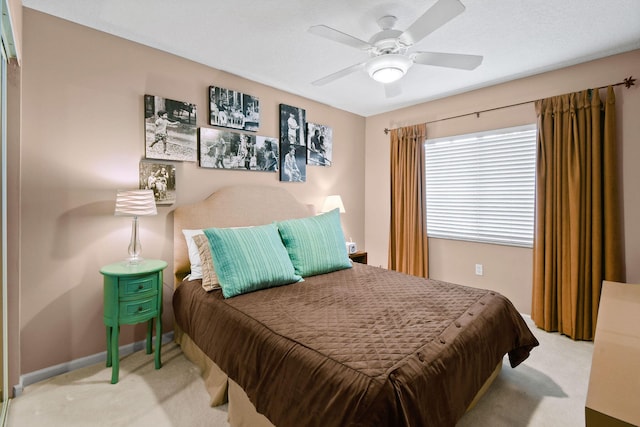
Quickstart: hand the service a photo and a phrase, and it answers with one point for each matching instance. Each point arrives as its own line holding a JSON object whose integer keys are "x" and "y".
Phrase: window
{"x": 481, "y": 186}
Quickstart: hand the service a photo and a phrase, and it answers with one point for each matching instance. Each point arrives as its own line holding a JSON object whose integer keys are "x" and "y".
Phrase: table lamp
{"x": 332, "y": 202}
{"x": 135, "y": 203}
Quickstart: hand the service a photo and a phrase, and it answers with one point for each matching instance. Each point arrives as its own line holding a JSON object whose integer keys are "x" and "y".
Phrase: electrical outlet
{"x": 479, "y": 270}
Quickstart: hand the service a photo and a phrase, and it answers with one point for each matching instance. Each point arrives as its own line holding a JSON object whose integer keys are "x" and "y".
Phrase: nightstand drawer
{"x": 137, "y": 286}
{"x": 138, "y": 310}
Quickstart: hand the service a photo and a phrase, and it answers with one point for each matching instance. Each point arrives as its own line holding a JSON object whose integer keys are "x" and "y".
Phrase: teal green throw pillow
{"x": 315, "y": 244}
{"x": 249, "y": 258}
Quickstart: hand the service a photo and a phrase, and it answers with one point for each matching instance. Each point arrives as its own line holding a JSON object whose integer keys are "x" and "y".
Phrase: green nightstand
{"x": 132, "y": 294}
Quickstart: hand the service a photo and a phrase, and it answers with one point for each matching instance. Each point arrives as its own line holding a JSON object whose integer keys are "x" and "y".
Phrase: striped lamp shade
{"x": 135, "y": 203}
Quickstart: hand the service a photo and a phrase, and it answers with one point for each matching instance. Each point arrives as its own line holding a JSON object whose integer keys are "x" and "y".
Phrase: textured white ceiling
{"x": 267, "y": 40}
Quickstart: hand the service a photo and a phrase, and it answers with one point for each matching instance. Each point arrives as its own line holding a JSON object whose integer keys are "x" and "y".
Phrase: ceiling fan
{"x": 390, "y": 59}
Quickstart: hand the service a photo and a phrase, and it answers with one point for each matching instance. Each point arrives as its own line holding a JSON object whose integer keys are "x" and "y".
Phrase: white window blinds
{"x": 481, "y": 186}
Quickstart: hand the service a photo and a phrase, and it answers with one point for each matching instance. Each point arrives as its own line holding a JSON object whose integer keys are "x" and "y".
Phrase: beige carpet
{"x": 548, "y": 389}
{"x": 171, "y": 396}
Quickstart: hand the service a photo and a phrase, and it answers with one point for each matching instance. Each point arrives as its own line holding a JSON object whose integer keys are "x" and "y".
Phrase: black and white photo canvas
{"x": 231, "y": 109}
{"x": 319, "y": 144}
{"x": 161, "y": 178}
{"x": 220, "y": 149}
{"x": 293, "y": 147}
{"x": 170, "y": 129}
{"x": 268, "y": 153}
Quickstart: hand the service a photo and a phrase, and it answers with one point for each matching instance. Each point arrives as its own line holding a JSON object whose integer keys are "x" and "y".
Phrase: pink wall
{"x": 506, "y": 269}
{"x": 83, "y": 137}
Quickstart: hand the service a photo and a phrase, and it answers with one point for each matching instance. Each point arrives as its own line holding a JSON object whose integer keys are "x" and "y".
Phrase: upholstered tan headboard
{"x": 234, "y": 206}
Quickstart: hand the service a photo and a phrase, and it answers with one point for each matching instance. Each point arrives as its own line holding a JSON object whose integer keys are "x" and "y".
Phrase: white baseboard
{"x": 52, "y": 371}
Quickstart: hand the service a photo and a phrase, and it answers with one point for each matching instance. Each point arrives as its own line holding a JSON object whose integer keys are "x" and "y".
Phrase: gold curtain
{"x": 577, "y": 241}
{"x": 408, "y": 250}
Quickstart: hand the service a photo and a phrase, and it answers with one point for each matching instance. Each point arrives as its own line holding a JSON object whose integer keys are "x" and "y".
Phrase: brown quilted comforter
{"x": 358, "y": 347}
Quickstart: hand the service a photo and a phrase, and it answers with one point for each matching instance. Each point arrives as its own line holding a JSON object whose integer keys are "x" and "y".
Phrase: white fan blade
{"x": 339, "y": 74}
{"x": 339, "y": 36}
{"x": 448, "y": 60}
{"x": 393, "y": 89}
{"x": 435, "y": 17}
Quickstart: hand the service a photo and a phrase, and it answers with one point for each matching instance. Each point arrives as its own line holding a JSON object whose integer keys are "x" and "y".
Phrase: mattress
{"x": 362, "y": 346}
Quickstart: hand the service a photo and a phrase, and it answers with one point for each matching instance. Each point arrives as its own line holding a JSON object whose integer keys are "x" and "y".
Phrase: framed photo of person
{"x": 222, "y": 149}
{"x": 170, "y": 129}
{"x": 231, "y": 109}
{"x": 161, "y": 178}
{"x": 293, "y": 147}
{"x": 267, "y": 153}
{"x": 319, "y": 144}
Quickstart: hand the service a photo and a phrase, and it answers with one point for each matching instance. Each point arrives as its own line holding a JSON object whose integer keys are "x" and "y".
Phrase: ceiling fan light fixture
{"x": 387, "y": 74}
{"x": 388, "y": 68}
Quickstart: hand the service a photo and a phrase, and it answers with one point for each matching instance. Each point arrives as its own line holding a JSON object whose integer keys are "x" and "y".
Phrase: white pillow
{"x": 194, "y": 254}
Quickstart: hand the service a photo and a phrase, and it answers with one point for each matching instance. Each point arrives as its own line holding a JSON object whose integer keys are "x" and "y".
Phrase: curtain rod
{"x": 628, "y": 82}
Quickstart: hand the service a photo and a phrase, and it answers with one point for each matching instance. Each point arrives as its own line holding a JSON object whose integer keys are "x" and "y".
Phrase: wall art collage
{"x": 171, "y": 134}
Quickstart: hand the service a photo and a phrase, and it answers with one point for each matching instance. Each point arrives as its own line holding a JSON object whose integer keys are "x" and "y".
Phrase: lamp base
{"x": 134, "y": 260}
{"x": 134, "y": 246}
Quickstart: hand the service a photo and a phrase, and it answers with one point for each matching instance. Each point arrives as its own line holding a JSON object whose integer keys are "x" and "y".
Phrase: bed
{"x": 355, "y": 346}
